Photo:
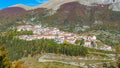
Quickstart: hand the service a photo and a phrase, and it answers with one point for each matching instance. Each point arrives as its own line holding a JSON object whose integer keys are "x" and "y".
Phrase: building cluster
{"x": 59, "y": 36}
{"x": 106, "y": 47}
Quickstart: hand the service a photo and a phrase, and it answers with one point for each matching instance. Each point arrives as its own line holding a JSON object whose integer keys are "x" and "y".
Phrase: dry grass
{"x": 32, "y": 62}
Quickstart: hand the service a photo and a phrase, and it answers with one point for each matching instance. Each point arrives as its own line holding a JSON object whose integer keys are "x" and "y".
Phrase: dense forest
{"x": 6, "y": 63}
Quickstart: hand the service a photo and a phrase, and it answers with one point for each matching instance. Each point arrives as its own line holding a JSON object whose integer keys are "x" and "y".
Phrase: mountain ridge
{"x": 22, "y": 6}
{"x": 55, "y": 4}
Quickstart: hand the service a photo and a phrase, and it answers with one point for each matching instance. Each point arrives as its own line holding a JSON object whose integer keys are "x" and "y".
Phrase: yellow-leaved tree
{"x": 118, "y": 48}
{"x": 4, "y": 60}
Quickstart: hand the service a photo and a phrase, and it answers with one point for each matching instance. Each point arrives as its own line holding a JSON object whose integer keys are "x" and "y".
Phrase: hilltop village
{"x": 60, "y": 37}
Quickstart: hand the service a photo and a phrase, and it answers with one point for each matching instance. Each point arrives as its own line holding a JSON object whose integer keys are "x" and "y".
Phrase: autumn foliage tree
{"x": 18, "y": 64}
{"x": 4, "y": 60}
{"x": 118, "y": 62}
{"x": 118, "y": 58}
{"x": 118, "y": 48}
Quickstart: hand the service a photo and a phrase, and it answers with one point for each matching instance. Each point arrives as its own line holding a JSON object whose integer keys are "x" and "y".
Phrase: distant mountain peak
{"x": 22, "y": 6}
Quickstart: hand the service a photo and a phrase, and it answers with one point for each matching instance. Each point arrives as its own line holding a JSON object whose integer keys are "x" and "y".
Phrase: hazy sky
{"x": 7, "y": 3}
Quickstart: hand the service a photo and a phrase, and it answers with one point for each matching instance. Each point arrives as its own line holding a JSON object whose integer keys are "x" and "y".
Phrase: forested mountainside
{"x": 70, "y": 16}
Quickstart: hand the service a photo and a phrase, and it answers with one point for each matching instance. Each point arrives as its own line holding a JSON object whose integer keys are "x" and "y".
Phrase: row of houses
{"x": 57, "y": 35}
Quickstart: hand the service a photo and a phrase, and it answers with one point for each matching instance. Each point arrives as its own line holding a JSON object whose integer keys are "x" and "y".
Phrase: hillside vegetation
{"x": 21, "y": 48}
{"x": 71, "y": 16}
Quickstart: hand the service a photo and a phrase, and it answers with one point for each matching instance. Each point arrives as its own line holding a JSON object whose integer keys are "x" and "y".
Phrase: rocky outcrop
{"x": 115, "y": 7}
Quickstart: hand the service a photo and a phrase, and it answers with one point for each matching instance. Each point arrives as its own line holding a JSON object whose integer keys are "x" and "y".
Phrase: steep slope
{"x": 11, "y": 13}
{"x": 15, "y": 15}
{"x": 9, "y": 16}
{"x": 73, "y": 12}
{"x": 69, "y": 12}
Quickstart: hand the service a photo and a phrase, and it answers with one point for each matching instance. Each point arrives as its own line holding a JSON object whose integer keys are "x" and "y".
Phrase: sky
{"x": 7, "y": 3}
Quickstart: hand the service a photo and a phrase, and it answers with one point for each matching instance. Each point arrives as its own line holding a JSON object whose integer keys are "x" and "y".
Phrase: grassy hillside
{"x": 32, "y": 62}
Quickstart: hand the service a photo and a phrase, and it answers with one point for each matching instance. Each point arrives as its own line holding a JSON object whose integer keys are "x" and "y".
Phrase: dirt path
{"x": 49, "y": 58}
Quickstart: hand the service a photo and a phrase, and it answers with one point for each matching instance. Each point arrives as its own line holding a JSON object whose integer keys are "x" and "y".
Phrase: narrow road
{"x": 81, "y": 64}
